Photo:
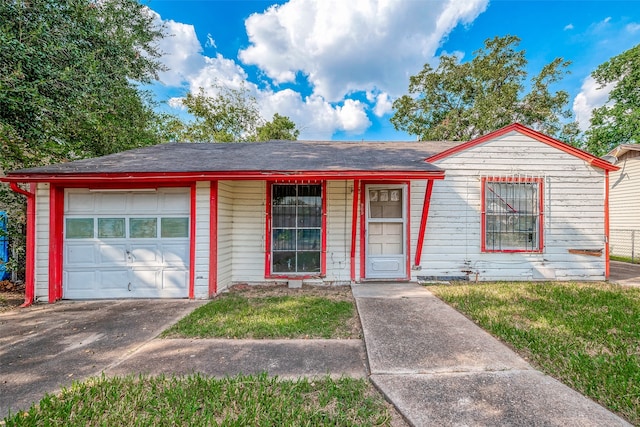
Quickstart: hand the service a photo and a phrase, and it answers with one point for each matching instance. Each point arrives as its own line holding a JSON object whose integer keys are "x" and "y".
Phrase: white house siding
{"x": 225, "y": 234}
{"x": 624, "y": 206}
{"x": 42, "y": 242}
{"x": 339, "y": 209}
{"x": 573, "y": 209}
{"x": 201, "y": 282}
{"x": 242, "y": 252}
{"x": 249, "y": 198}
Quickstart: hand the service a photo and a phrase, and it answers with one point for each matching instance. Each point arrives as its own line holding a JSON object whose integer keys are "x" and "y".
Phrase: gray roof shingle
{"x": 273, "y": 156}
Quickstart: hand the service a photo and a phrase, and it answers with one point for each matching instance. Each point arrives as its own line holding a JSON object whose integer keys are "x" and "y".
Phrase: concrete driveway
{"x": 46, "y": 347}
{"x": 624, "y": 273}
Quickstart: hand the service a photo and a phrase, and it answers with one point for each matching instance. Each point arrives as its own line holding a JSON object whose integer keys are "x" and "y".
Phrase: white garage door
{"x": 126, "y": 244}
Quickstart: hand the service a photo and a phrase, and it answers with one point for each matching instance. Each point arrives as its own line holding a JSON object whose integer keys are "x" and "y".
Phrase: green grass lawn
{"x": 625, "y": 259}
{"x": 236, "y": 315}
{"x": 585, "y": 335}
{"x": 201, "y": 401}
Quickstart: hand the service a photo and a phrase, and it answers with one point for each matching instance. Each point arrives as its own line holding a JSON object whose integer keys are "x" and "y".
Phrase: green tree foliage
{"x": 229, "y": 116}
{"x": 68, "y": 74}
{"x": 279, "y": 128}
{"x": 618, "y": 121}
{"x": 462, "y": 100}
{"x": 69, "y": 71}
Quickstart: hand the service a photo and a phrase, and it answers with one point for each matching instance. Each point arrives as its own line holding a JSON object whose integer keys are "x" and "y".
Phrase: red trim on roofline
{"x": 176, "y": 177}
{"x": 517, "y": 127}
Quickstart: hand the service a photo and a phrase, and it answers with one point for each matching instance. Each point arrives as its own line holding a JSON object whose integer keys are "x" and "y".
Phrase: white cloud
{"x": 591, "y": 96}
{"x": 210, "y": 41}
{"x": 633, "y": 27}
{"x": 314, "y": 116}
{"x": 383, "y": 104}
{"x": 568, "y": 27}
{"x": 182, "y": 52}
{"x": 344, "y": 47}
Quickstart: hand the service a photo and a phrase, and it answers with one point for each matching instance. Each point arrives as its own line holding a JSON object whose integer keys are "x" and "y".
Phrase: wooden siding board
{"x": 624, "y": 198}
{"x": 249, "y": 198}
{"x": 201, "y": 271}
{"x": 225, "y": 234}
{"x": 41, "y": 273}
{"x": 570, "y": 186}
{"x": 339, "y": 204}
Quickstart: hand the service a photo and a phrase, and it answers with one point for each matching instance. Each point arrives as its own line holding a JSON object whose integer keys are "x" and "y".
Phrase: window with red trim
{"x": 512, "y": 215}
{"x": 296, "y": 228}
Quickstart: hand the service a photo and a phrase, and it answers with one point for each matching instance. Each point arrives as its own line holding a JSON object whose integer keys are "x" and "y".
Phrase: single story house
{"x": 190, "y": 220}
{"x": 624, "y": 200}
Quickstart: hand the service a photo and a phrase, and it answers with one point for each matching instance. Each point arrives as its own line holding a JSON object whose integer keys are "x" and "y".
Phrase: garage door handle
{"x": 129, "y": 286}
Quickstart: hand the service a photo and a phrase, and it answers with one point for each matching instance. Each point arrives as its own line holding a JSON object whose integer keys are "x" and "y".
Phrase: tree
{"x": 279, "y": 128}
{"x": 231, "y": 115}
{"x": 69, "y": 71}
{"x": 68, "y": 75}
{"x": 463, "y": 100}
{"x": 618, "y": 121}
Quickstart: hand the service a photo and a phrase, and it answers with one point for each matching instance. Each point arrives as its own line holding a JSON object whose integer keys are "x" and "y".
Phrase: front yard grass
{"x": 272, "y": 312}
{"x": 197, "y": 400}
{"x": 585, "y": 335}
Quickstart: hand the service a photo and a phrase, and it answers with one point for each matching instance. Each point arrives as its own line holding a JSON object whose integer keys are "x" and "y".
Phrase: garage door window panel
{"x": 79, "y": 228}
{"x": 174, "y": 227}
{"x": 143, "y": 228}
{"x": 111, "y": 228}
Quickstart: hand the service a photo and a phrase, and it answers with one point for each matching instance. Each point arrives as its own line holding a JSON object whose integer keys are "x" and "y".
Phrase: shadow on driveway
{"x": 624, "y": 273}
{"x": 46, "y": 347}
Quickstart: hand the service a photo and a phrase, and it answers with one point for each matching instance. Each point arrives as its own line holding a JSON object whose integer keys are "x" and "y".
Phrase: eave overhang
{"x": 181, "y": 177}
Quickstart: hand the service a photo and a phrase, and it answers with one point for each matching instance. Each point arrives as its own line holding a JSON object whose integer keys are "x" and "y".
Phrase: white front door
{"x": 386, "y": 256}
{"x": 126, "y": 244}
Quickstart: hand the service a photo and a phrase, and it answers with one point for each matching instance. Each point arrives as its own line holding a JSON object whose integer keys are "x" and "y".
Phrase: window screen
{"x": 296, "y": 228}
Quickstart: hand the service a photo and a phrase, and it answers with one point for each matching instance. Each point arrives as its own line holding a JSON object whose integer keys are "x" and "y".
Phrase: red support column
{"x": 29, "y": 274}
{"x": 354, "y": 227}
{"x": 606, "y": 225}
{"x": 423, "y": 221}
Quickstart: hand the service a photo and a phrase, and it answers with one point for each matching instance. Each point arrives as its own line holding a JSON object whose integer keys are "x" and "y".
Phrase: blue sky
{"x": 335, "y": 66}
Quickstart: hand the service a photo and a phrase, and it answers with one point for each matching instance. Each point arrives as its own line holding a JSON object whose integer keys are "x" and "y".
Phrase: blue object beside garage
{"x": 4, "y": 246}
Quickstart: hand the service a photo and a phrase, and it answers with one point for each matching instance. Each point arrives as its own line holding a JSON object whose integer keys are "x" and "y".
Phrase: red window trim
{"x": 483, "y": 224}
{"x": 323, "y": 232}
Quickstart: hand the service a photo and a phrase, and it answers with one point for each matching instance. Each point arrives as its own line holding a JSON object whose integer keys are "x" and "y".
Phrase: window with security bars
{"x": 296, "y": 228}
{"x": 512, "y": 215}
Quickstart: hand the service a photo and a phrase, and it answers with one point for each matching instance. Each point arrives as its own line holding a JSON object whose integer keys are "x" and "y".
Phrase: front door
{"x": 386, "y": 246}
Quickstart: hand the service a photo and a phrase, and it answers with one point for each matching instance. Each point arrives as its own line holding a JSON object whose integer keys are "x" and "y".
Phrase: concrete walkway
{"x": 440, "y": 369}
